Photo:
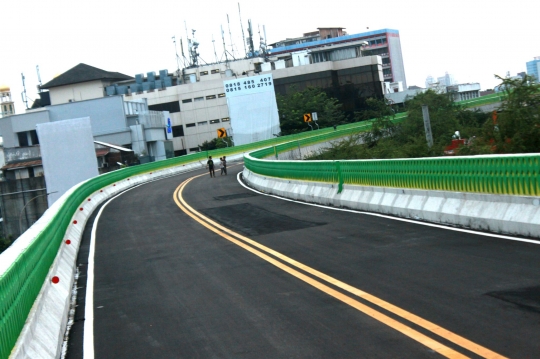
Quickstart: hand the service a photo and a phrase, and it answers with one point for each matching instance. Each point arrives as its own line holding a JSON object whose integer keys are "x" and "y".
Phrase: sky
{"x": 472, "y": 40}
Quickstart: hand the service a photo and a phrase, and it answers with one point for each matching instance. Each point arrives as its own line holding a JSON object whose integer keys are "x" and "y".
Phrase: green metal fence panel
{"x": 21, "y": 283}
{"x": 507, "y": 175}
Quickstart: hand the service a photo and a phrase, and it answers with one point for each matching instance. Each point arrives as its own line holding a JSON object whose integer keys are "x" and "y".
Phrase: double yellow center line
{"x": 294, "y": 268}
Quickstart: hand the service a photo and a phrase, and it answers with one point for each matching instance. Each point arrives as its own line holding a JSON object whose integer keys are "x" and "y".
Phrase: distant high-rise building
{"x": 7, "y": 106}
{"x": 334, "y": 44}
{"x": 533, "y": 68}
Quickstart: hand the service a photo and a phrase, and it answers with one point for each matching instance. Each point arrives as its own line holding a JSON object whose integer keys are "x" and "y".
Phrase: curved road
{"x": 209, "y": 269}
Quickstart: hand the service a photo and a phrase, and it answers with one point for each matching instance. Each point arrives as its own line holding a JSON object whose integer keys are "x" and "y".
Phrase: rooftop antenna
{"x": 230, "y": 35}
{"x": 242, "y": 27}
{"x": 23, "y": 94}
{"x": 39, "y": 79}
{"x": 177, "y": 57}
{"x": 265, "y": 43}
{"x": 224, "y": 47}
{"x": 214, "y": 44}
{"x": 182, "y": 49}
{"x": 251, "y": 48}
{"x": 262, "y": 42}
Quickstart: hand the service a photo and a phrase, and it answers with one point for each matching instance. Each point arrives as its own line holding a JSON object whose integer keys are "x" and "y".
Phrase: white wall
{"x": 68, "y": 154}
{"x": 76, "y": 92}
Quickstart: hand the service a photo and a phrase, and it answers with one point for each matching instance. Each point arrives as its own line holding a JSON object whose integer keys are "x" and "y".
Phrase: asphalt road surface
{"x": 210, "y": 269}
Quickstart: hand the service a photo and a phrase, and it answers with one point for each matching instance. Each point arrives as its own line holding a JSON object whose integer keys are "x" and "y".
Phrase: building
{"x": 440, "y": 83}
{"x": 533, "y": 68}
{"x": 7, "y": 106}
{"x": 197, "y": 101}
{"x": 331, "y": 44}
{"x": 116, "y": 124}
{"x": 463, "y": 92}
{"x": 80, "y": 83}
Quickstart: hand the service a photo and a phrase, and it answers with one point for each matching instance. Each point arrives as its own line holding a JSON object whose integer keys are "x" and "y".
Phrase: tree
{"x": 209, "y": 145}
{"x": 293, "y": 106}
{"x": 407, "y": 139}
{"x": 516, "y": 128}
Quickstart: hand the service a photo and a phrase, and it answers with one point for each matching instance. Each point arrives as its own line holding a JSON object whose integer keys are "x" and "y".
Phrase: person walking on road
{"x": 210, "y": 166}
{"x": 222, "y": 165}
{"x": 224, "y": 168}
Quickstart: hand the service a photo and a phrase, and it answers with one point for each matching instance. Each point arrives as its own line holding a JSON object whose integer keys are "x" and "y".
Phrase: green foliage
{"x": 5, "y": 243}
{"x": 408, "y": 140}
{"x": 224, "y": 142}
{"x": 382, "y": 127}
{"x": 209, "y": 145}
{"x": 518, "y": 121}
{"x": 216, "y": 143}
{"x": 293, "y": 107}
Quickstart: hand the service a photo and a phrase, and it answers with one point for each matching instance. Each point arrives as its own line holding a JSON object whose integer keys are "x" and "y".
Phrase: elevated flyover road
{"x": 199, "y": 267}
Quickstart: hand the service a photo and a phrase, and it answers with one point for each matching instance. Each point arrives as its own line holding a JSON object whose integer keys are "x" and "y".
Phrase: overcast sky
{"x": 472, "y": 40}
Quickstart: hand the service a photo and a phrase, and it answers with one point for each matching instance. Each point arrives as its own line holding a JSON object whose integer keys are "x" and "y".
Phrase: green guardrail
{"x": 507, "y": 175}
{"x": 22, "y": 281}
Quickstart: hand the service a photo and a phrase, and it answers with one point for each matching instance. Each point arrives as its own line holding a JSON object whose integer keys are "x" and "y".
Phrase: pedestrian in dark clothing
{"x": 210, "y": 166}
{"x": 224, "y": 168}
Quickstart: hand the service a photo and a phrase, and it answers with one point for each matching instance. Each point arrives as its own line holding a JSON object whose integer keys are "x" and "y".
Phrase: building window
{"x": 210, "y": 97}
{"x": 214, "y": 121}
{"x": 187, "y": 100}
{"x": 172, "y": 107}
{"x": 204, "y": 73}
{"x": 194, "y": 149}
{"x": 202, "y": 123}
{"x": 23, "y": 139}
{"x": 34, "y": 138}
{"x": 225, "y": 119}
{"x": 215, "y": 71}
{"x": 178, "y": 131}
{"x": 180, "y": 153}
{"x": 198, "y": 99}
{"x": 221, "y": 95}
{"x": 190, "y": 125}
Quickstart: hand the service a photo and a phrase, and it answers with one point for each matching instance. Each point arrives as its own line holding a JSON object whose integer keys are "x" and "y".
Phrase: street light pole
{"x": 27, "y": 203}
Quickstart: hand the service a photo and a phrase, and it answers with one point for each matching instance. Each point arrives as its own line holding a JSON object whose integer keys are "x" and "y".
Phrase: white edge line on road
{"x": 88, "y": 331}
{"x": 391, "y": 217}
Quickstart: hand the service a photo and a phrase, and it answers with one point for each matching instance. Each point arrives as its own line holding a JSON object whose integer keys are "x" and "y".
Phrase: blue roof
{"x": 332, "y": 40}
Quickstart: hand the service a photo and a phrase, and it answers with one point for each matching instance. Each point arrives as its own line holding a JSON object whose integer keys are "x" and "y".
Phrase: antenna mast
{"x": 224, "y": 47}
{"x": 23, "y": 94}
{"x": 177, "y": 57}
{"x": 214, "y": 44}
{"x": 230, "y": 35}
{"x": 250, "y": 40}
{"x": 39, "y": 79}
{"x": 242, "y": 27}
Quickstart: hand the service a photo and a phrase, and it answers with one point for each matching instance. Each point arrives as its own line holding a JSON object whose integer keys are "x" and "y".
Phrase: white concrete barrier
{"x": 43, "y": 332}
{"x": 502, "y": 214}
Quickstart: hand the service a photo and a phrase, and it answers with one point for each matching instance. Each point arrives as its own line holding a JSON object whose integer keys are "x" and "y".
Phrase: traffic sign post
{"x": 314, "y": 117}
{"x": 307, "y": 117}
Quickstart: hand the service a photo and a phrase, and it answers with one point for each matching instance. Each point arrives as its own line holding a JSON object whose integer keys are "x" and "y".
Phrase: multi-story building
{"x": 533, "y": 68}
{"x": 331, "y": 44}
{"x": 197, "y": 100}
{"x": 78, "y": 93}
{"x": 7, "y": 106}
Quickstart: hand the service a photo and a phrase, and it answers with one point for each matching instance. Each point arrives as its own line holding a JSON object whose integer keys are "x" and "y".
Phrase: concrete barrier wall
{"x": 514, "y": 215}
{"x": 43, "y": 332}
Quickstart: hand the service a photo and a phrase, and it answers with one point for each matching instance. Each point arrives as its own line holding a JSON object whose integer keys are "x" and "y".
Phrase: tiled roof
{"x": 84, "y": 73}
{"x": 11, "y": 166}
{"x": 102, "y": 151}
